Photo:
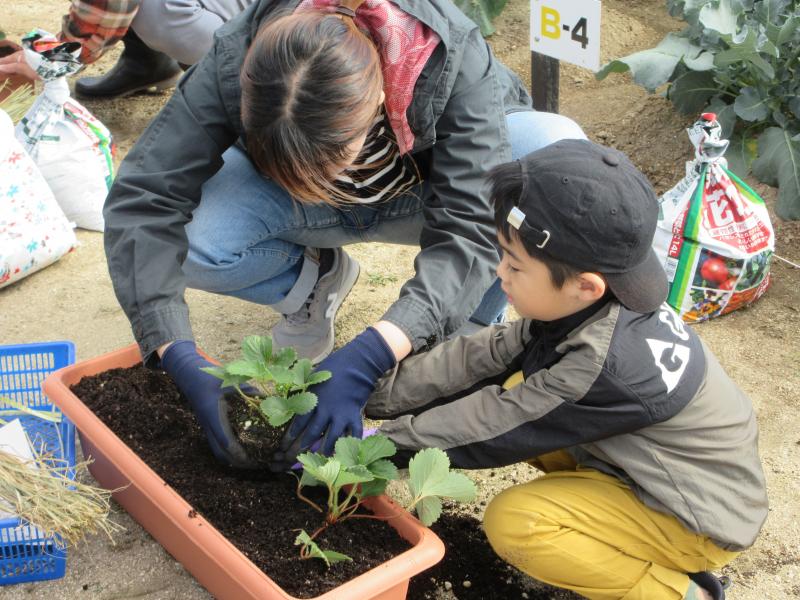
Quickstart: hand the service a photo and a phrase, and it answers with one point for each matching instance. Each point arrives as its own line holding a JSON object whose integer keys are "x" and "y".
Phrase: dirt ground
{"x": 759, "y": 346}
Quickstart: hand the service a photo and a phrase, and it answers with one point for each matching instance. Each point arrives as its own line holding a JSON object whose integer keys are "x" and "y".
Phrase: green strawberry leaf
{"x": 430, "y": 478}
{"x": 301, "y": 403}
{"x": 247, "y": 368}
{"x": 429, "y": 509}
{"x": 285, "y": 357}
{"x": 257, "y": 348}
{"x": 318, "y": 377}
{"x": 301, "y": 371}
{"x": 383, "y": 469}
{"x": 335, "y": 557}
{"x": 281, "y": 375}
{"x": 228, "y": 379}
{"x": 376, "y": 487}
{"x": 352, "y": 475}
{"x": 276, "y": 410}
{"x": 346, "y": 451}
{"x": 374, "y": 448}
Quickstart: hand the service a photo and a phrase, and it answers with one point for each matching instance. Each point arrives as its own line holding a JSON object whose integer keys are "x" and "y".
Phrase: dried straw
{"x": 42, "y": 493}
{"x": 18, "y": 102}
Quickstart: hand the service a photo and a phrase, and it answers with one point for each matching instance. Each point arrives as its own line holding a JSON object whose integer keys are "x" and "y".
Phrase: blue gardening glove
{"x": 355, "y": 368}
{"x": 207, "y": 399}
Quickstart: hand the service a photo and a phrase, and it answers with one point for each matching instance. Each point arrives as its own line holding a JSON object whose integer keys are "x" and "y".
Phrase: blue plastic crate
{"x": 25, "y": 553}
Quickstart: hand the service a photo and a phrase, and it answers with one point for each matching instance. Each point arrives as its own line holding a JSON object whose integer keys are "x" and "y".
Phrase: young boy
{"x": 650, "y": 450}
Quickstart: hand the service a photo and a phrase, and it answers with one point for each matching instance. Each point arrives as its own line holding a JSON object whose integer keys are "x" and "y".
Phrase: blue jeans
{"x": 247, "y": 238}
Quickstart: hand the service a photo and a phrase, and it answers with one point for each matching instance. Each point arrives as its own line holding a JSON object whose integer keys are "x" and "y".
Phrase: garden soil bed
{"x": 258, "y": 512}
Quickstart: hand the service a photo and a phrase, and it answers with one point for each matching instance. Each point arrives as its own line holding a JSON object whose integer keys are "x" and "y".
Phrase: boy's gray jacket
{"x": 635, "y": 396}
{"x": 457, "y": 116}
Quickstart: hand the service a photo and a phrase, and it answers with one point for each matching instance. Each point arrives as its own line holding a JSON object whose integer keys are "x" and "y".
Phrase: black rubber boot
{"x": 714, "y": 585}
{"x": 139, "y": 68}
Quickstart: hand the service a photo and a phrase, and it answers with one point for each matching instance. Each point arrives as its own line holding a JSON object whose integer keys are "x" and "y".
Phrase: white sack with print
{"x": 33, "y": 229}
{"x": 72, "y": 149}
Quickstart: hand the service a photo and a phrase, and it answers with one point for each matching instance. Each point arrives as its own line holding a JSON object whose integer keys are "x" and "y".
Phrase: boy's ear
{"x": 591, "y": 286}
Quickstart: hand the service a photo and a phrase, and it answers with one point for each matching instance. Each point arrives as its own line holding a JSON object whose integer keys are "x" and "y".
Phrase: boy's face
{"x": 530, "y": 289}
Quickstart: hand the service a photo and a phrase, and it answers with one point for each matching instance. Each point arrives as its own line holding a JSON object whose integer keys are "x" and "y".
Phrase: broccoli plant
{"x": 359, "y": 469}
{"x": 274, "y": 385}
{"x": 738, "y": 59}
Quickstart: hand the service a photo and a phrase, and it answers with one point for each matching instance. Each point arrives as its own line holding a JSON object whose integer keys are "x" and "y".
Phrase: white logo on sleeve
{"x": 671, "y": 359}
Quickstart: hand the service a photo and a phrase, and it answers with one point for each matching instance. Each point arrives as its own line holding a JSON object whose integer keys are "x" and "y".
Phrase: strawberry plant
{"x": 273, "y": 387}
{"x": 359, "y": 469}
{"x": 738, "y": 59}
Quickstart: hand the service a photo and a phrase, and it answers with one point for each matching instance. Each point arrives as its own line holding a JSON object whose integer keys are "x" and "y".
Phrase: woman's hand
{"x": 355, "y": 369}
{"x": 14, "y": 69}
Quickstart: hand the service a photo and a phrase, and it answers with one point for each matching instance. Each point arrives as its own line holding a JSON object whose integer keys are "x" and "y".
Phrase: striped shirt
{"x": 381, "y": 172}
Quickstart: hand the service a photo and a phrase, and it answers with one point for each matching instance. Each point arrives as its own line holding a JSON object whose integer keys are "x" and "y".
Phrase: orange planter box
{"x": 204, "y": 551}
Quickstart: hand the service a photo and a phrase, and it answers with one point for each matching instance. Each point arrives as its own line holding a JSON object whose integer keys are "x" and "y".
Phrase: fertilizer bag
{"x": 33, "y": 229}
{"x": 69, "y": 145}
{"x": 714, "y": 234}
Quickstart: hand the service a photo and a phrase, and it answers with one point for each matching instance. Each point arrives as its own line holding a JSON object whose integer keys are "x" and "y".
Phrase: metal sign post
{"x": 561, "y": 30}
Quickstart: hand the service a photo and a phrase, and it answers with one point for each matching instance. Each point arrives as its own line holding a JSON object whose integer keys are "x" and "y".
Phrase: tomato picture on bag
{"x": 716, "y": 271}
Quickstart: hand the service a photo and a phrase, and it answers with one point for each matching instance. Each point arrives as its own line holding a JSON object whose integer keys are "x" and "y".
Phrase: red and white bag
{"x": 714, "y": 233}
{"x": 33, "y": 229}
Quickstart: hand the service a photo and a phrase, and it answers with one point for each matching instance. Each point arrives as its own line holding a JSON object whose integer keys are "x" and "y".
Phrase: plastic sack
{"x": 714, "y": 233}
{"x": 72, "y": 149}
{"x": 33, "y": 229}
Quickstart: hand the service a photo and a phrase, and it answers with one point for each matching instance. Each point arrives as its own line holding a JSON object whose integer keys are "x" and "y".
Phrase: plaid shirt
{"x": 97, "y": 25}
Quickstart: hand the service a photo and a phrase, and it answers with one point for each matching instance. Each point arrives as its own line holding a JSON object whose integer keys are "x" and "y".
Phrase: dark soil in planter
{"x": 258, "y": 439}
{"x": 256, "y": 511}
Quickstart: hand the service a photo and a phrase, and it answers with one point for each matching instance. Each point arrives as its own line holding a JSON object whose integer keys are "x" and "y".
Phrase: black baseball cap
{"x": 588, "y": 206}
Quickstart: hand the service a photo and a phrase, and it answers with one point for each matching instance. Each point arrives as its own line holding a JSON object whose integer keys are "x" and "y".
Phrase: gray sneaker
{"x": 310, "y": 329}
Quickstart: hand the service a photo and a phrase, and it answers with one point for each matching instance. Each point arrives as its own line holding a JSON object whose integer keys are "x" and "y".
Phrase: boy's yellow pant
{"x": 586, "y": 531}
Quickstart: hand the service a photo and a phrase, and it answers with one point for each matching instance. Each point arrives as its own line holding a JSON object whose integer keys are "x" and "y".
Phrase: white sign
{"x": 567, "y": 30}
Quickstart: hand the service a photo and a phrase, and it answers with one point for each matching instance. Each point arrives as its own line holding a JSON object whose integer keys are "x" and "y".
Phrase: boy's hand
{"x": 356, "y": 368}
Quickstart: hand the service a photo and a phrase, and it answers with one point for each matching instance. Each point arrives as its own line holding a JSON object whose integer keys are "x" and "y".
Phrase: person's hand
{"x": 355, "y": 368}
{"x": 182, "y": 362}
{"x": 14, "y": 67}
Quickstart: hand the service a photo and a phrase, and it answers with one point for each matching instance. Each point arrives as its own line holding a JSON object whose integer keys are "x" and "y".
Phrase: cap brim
{"x": 642, "y": 289}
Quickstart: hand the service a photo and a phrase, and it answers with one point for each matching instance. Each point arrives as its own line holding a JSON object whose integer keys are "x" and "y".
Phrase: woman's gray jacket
{"x": 457, "y": 116}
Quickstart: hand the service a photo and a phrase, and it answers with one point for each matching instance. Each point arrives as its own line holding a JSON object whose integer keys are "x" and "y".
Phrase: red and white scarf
{"x": 404, "y": 45}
